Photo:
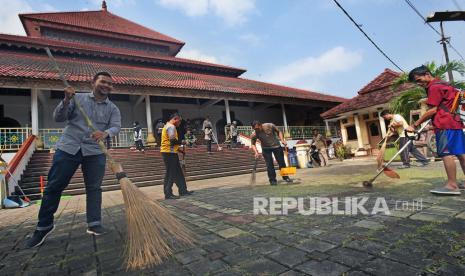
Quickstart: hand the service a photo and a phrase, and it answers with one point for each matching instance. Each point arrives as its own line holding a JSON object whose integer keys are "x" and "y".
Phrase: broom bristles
{"x": 150, "y": 228}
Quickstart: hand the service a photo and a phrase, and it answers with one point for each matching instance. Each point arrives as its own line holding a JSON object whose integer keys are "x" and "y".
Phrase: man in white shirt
{"x": 398, "y": 125}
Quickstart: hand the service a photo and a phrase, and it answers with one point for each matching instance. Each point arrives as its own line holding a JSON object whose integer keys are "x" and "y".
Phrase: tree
{"x": 410, "y": 98}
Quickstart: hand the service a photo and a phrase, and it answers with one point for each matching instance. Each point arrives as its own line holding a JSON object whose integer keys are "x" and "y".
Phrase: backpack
{"x": 458, "y": 105}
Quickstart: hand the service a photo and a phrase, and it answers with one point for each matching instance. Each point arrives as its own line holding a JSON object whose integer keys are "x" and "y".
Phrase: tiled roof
{"x": 100, "y": 21}
{"x": 378, "y": 91}
{"x": 384, "y": 79}
{"x": 72, "y": 47}
{"x": 36, "y": 66}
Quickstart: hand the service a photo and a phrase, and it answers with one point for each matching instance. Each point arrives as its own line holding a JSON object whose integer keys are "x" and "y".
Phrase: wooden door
{"x": 374, "y": 133}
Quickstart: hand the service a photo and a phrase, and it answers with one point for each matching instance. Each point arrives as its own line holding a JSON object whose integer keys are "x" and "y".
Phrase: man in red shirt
{"x": 450, "y": 139}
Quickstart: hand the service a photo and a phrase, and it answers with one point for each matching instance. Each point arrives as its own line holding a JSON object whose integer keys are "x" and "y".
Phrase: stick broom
{"x": 151, "y": 228}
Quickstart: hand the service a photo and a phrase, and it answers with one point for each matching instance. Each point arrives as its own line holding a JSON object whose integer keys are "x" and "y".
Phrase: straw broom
{"x": 149, "y": 225}
{"x": 380, "y": 157}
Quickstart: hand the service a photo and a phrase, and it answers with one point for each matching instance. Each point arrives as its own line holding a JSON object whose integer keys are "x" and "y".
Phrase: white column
{"x": 228, "y": 113}
{"x": 328, "y": 131}
{"x": 148, "y": 113}
{"x": 286, "y": 128}
{"x": 35, "y": 111}
{"x": 382, "y": 124}
{"x": 359, "y": 132}
{"x": 35, "y": 117}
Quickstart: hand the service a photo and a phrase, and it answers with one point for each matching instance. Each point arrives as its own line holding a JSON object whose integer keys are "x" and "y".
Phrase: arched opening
{"x": 7, "y": 122}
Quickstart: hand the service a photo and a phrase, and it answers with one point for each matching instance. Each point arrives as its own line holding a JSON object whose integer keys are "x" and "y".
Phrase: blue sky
{"x": 307, "y": 44}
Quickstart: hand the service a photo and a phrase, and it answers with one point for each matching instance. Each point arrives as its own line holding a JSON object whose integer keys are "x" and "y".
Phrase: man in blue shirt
{"x": 79, "y": 146}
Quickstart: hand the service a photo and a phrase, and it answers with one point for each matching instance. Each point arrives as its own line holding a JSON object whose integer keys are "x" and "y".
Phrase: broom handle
{"x": 78, "y": 105}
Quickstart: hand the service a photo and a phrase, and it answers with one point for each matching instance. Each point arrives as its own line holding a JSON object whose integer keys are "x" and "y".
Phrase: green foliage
{"x": 342, "y": 152}
{"x": 410, "y": 98}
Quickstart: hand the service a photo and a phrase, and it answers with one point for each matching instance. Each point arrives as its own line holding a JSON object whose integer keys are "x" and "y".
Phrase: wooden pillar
{"x": 148, "y": 113}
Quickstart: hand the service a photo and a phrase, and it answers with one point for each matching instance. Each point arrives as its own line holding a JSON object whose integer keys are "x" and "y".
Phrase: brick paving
{"x": 231, "y": 240}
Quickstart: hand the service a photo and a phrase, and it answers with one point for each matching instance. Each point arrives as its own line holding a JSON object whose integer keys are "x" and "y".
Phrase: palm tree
{"x": 410, "y": 98}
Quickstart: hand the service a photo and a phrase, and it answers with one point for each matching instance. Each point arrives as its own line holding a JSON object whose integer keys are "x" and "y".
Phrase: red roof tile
{"x": 384, "y": 79}
{"x": 72, "y": 47}
{"x": 100, "y": 21}
{"x": 378, "y": 91}
{"x": 81, "y": 70}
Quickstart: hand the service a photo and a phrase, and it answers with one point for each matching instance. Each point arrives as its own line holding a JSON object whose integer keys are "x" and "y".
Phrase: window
{"x": 344, "y": 121}
{"x": 366, "y": 116}
{"x": 351, "y": 133}
{"x": 375, "y": 114}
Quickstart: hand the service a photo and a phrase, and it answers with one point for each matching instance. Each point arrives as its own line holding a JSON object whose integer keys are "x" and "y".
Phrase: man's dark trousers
{"x": 173, "y": 174}
{"x": 405, "y": 155}
{"x": 64, "y": 166}
{"x": 278, "y": 155}
{"x": 234, "y": 141}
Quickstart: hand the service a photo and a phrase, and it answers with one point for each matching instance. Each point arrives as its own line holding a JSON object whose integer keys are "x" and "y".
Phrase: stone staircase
{"x": 146, "y": 168}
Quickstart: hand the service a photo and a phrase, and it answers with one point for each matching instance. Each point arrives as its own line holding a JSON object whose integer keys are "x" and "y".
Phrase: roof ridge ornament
{"x": 104, "y": 5}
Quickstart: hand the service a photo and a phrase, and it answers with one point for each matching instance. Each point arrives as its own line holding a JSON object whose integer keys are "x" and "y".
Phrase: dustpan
{"x": 287, "y": 170}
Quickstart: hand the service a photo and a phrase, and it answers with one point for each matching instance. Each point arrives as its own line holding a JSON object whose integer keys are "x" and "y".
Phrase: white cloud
{"x": 197, "y": 55}
{"x": 233, "y": 12}
{"x": 311, "y": 69}
{"x": 251, "y": 39}
{"x": 9, "y": 19}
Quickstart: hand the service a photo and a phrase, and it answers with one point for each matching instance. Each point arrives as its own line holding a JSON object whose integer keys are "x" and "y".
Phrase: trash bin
{"x": 302, "y": 157}
{"x": 292, "y": 158}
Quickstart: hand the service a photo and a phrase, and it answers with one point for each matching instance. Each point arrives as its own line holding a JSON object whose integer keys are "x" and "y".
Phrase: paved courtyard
{"x": 426, "y": 238}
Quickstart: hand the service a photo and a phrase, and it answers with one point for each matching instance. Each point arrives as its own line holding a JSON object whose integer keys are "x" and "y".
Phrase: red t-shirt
{"x": 439, "y": 92}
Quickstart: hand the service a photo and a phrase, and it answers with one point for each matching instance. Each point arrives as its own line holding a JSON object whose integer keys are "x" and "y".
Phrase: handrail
{"x": 19, "y": 155}
{"x": 19, "y": 162}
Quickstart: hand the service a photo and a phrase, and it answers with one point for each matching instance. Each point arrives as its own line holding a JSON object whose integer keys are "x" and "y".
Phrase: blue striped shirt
{"x": 105, "y": 116}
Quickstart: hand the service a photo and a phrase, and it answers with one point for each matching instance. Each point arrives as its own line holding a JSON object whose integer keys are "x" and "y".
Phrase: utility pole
{"x": 441, "y": 17}
{"x": 444, "y": 41}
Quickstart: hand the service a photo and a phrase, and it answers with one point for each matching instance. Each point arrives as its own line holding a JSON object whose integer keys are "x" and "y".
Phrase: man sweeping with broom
{"x": 79, "y": 146}
{"x": 170, "y": 146}
{"x": 269, "y": 136}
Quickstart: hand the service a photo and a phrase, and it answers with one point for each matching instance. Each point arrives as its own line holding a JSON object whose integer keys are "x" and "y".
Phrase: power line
{"x": 455, "y": 50}
{"x": 361, "y": 30}
{"x": 457, "y": 4}
{"x": 421, "y": 16}
{"x": 432, "y": 27}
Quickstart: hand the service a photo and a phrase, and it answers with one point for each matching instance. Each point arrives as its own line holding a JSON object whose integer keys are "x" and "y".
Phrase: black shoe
{"x": 172, "y": 197}
{"x": 273, "y": 182}
{"x": 186, "y": 193}
{"x": 288, "y": 180}
{"x": 38, "y": 237}
{"x": 96, "y": 230}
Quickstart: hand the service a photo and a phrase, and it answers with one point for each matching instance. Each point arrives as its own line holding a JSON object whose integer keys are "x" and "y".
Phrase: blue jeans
{"x": 64, "y": 166}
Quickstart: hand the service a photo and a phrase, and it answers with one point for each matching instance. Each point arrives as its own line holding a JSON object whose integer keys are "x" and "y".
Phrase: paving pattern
{"x": 421, "y": 239}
